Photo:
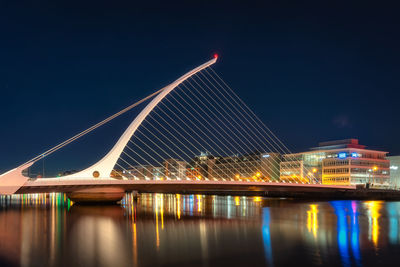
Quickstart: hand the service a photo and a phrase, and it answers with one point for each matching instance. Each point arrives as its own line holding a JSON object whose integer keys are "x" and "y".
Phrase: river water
{"x": 198, "y": 230}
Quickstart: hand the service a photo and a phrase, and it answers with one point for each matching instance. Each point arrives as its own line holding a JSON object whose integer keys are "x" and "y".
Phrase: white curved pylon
{"x": 107, "y": 163}
{"x": 12, "y": 180}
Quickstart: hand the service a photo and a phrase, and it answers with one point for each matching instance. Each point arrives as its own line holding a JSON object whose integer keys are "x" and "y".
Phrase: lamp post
{"x": 369, "y": 177}
{"x": 374, "y": 169}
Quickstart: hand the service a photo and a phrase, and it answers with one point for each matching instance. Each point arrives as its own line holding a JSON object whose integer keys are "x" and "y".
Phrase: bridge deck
{"x": 173, "y": 186}
{"x": 313, "y": 191}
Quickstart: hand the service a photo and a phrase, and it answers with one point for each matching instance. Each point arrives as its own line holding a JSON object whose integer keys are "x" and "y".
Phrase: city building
{"x": 175, "y": 169}
{"x": 194, "y": 173}
{"x": 141, "y": 172}
{"x": 394, "y": 171}
{"x": 256, "y": 166}
{"x": 303, "y": 167}
{"x": 202, "y": 166}
{"x": 341, "y": 162}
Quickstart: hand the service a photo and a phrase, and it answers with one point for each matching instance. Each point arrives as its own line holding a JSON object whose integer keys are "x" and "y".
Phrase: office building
{"x": 341, "y": 162}
{"x": 394, "y": 171}
{"x": 256, "y": 166}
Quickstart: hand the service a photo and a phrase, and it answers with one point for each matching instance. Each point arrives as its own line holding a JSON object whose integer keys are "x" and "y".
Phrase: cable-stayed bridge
{"x": 194, "y": 135}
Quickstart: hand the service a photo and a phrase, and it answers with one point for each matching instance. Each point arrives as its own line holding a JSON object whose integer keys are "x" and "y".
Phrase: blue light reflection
{"x": 348, "y": 231}
{"x": 266, "y": 234}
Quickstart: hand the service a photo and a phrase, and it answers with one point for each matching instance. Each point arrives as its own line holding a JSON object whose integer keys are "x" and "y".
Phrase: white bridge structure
{"x": 196, "y": 113}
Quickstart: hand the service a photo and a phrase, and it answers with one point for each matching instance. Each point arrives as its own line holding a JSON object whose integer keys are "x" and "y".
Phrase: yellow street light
{"x": 314, "y": 170}
{"x": 258, "y": 174}
{"x": 375, "y": 168}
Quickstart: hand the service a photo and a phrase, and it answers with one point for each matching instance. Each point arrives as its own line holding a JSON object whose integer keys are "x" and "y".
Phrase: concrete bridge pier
{"x": 97, "y": 195}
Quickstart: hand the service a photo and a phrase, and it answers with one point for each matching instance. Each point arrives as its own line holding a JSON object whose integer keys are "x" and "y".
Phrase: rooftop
{"x": 337, "y": 144}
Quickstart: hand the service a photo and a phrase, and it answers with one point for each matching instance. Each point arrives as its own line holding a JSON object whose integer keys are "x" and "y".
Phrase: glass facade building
{"x": 302, "y": 167}
{"x": 394, "y": 171}
{"x": 342, "y": 162}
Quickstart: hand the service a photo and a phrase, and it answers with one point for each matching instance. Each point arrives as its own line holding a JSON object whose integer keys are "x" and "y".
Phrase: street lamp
{"x": 369, "y": 175}
{"x": 375, "y": 168}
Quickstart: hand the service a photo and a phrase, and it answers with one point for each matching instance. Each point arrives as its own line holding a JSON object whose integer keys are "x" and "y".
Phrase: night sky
{"x": 312, "y": 72}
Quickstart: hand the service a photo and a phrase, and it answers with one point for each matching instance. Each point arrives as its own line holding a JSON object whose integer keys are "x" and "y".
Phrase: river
{"x": 197, "y": 230}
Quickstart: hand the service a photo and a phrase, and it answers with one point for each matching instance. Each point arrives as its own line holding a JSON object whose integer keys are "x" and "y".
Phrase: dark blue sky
{"x": 312, "y": 72}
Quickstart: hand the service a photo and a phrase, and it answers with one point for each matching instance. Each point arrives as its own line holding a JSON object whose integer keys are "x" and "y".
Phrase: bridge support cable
{"x": 223, "y": 128}
{"x": 145, "y": 152}
{"x": 227, "y": 108}
{"x": 158, "y": 139}
{"x": 173, "y": 142}
{"x": 206, "y": 127}
{"x": 200, "y": 146}
{"x": 141, "y": 171}
{"x": 225, "y": 94}
{"x": 90, "y": 129}
{"x": 123, "y": 169}
{"x": 157, "y": 161}
{"x": 185, "y": 126}
{"x": 238, "y": 102}
{"x": 215, "y": 103}
{"x": 169, "y": 156}
{"x": 196, "y": 149}
{"x": 194, "y": 128}
{"x": 127, "y": 172}
{"x": 219, "y": 109}
{"x": 260, "y": 122}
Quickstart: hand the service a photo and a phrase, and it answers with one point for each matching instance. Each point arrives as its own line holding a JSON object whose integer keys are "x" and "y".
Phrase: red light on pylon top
{"x": 215, "y": 55}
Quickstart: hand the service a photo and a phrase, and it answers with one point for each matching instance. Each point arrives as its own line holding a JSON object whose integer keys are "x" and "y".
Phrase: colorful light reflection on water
{"x": 159, "y": 229}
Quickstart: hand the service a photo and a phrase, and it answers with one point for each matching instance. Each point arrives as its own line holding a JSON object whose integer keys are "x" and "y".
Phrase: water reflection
{"x": 342, "y": 230}
{"x": 267, "y": 236}
{"x": 373, "y": 216}
{"x": 312, "y": 219}
{"x": 197, "y": 230}
{"x": 393, "y": 209}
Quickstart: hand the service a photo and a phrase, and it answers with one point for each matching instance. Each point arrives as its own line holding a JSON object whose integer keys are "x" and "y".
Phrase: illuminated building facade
{"x": 158, "y": 173}
{"x": 303, "y": 167}
{"x": 394, "y": 171}
{"x": 256, "y": 166}
{"x": 202, "y": 166}
{"x": 194, "y": 173}
{"x": 142, "y": 172}
{"x": 175, "y": 169}
{"x": 342, "y": 162}
{"x": 348, "y": 162}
